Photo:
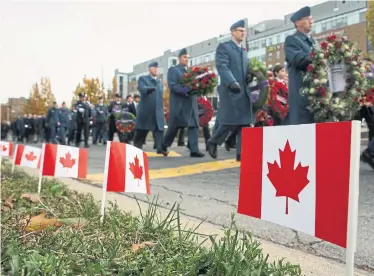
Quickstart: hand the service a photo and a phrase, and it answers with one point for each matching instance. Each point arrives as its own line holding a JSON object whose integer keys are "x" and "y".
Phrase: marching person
{"x": 297, "y": 49}
{"x": 64, "y": 119}
{"x": 150, "y": 113}
{"x": 101, "y": 114}
{"x": 52, "y": 122}
{"x": 183, "y": 108}
{"x": 235, "y": 109}
{"x": 115, "y": 107}
{"x": 368, "y": 154}
{"x": 72, "y": 124}
{"x": 83, "y": 120}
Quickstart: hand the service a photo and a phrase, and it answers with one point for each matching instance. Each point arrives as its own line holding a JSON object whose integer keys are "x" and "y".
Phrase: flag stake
{"x": 103, "y": 196}
{"x": 14, "y": 159}
{"x": 40, "y": 184}
{"x": 41, "y": 169}
{"x": 353, "y": 198}
{"x": 103, "y": 201}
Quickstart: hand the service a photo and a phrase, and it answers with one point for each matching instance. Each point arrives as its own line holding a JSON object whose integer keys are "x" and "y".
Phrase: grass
{"x": 76, "y": 243}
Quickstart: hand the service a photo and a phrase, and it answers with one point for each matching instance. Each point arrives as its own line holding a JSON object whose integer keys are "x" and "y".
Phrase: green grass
{"x": 105, "y": 249}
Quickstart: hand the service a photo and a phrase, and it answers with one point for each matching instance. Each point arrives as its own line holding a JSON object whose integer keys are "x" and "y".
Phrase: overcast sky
{"x": 64, "y": 40}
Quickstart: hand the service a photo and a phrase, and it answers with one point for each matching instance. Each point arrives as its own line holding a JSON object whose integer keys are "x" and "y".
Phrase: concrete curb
{"x": 310, "y": 264}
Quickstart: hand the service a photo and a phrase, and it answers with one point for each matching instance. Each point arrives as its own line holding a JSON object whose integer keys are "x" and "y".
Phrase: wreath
{"x": 258, "y": 83}
{"x": 205, "y": 112}
{"x": 200, "y": 80}
{"x": 336, "y": 63}
{"x": 263, "y": 118}
{"x": 278, "y": 100}
{"x": 125, "y": 122}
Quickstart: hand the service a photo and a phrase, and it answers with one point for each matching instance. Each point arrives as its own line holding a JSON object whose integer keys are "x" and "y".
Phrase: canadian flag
{"x": 6, "y": 149}
{"x": 126, "y": 169}
{"x": 27, "y": 156}
{"x": 304, "y": 177}
{"x": 64, "y": 161}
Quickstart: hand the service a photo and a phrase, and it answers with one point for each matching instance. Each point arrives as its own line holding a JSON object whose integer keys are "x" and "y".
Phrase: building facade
{"x": 14, "y": 108}
{"x": 264, "y": 40}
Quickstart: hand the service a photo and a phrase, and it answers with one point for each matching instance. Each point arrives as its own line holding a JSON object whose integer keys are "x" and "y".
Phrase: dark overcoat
{"x": 297, "y": 49}
{"x": 232, "y": 66}
{"x": 183, "y": 109}
{"x": 150, "y": 111}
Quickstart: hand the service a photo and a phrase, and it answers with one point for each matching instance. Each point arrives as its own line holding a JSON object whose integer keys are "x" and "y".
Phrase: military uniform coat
{"x": 150, "y": 112}
{"x": 183, "y": 109}
{"x": 297, "y": 49}
{"x": 53, "y": 117}
{"x": 64, "y": 116}
{"x": 232, "y": 66}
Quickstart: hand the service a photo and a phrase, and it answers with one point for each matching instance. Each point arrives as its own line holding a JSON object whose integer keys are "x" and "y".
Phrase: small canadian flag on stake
{"x": 63, "y": 161}
{"x": 305, "y": 177}
{"x": 27, "y": 156}
{"x": 126, "y": 171}
{"x": 6, "y": 149}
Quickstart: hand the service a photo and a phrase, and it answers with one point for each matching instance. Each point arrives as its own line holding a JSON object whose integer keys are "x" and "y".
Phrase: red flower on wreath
{"x": 324, "y": 45}
{"x": 331, "y": 38}
{"x": 310, "y": 68}
{"x": 278, "y": 99}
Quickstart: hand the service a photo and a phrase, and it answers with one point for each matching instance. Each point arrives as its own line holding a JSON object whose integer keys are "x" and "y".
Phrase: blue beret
{"x": 238, "y": 24}
{"x": 182, "y": 52}
{"x": 303, "y": 12}
{"x": 153, "y": 64}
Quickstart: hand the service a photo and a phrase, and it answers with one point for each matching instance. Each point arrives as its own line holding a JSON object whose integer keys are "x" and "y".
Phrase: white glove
{"x": 81, "y": 109}
{"x": 90, "y": 122}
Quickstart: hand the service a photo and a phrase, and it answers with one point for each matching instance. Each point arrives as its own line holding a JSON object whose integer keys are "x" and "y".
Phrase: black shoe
{"x": 164, "y": 151}
{"x": 227, "y": 146}
{"x": 238, "y": 157}
{"x": 197, "y": 154}
{"x": 154, "y": 146}
{"x": 212, "y": 149}
{"x": 368, "y": 158}
{"x": 181, "y": 144}
{"x": 86, "y": 146}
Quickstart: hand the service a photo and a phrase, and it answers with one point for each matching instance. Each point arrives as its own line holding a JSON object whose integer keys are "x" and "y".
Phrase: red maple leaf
{"x": 288, "y": 182}
{"x": 67, "y": 162}
{"x": 30, "y": 156}
{"x": 4, "y": 148}
{"x": 136, "y": 170}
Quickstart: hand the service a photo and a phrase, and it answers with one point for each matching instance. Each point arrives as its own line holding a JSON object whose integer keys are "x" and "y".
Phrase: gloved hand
{"x": 235, "y": 88}
{"x": 150, "y": 90}
{"x": 185, "y": 91}
{"x": 250, "y": 76}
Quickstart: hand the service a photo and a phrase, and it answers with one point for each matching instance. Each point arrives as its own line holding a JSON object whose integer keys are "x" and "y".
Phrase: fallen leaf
{"x": 9, "y": 202}
{"x": 39, "y": 223}
{"x": 5, "y": 209}
{"x": 74, "y": 222}
{"x": 32, "y": 197}
{"x": 137, "y": 246}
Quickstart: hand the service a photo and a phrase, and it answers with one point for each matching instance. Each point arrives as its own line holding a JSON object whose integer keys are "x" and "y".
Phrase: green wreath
{"x": 336, "y": 59}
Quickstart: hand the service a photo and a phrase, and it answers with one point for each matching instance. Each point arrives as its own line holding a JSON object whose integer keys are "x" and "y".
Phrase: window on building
{"x": 263, "y": 59}
{"x": 324, "y": 26}
{"x": 121, "y": 79}
{"x": 207, "y": 58}
{"x": 362, "y": 16}
{"x": 278, "y": 39}
{"x": 263, "y": 43}
{"x": 133, "y": 79}
{"x": 277, "y": 55}
{"x": 270, "y": 41}
{"x": 270, "y": 57}
{"x": 174, "y": 62}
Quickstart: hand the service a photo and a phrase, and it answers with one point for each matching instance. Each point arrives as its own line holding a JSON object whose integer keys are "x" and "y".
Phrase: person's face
{"x": 129, "y": 99}
{"x": 282, "y": 74}
{"x": 63, "y": 105}
{"x": 184, "y": 60}
{"x": 305, "y": 24}
{"x": 153, "y": 71}
{"x": 118, "y": 99}
{"x": 137, "y": 99}
{"x": 238, "y": 34}
{"x": 82, "y": 99}
{"x": 101, "y": 101}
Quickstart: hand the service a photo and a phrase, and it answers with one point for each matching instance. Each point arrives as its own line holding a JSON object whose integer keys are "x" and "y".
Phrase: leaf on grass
{"x": 137, "y": 246}
{"x": 32, "y": 197}
{"x": 9, "y": 202}
{"x": 74, "y": 222}
{"x": 39, "y": 223}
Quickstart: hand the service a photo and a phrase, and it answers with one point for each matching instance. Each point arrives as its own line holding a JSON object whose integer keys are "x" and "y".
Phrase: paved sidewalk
{"x": 310, "y": 264}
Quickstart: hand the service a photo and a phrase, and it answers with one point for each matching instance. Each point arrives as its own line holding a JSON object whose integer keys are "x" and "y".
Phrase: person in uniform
{"x": 82, "y": 120}
{"x": 235, "y": 109}
{"x": 367, "y": 155}
{"x": 101, "y": 114}
{"x": 115, "y": 107}
{"x": 150, "y": 111}
{"x": 297, "y": 49}
{"x": 64, "y": 119}
{"x": 72, "y": 124}
{"x": 53, "y": 121}
{"x": 183, "y": 108}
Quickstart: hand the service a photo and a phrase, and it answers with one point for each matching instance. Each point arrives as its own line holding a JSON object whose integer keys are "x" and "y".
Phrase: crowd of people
{"x": 235, "y": 109}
